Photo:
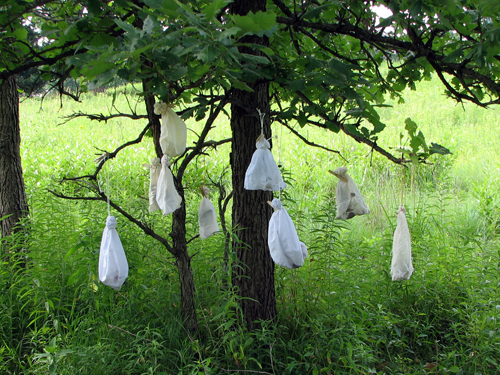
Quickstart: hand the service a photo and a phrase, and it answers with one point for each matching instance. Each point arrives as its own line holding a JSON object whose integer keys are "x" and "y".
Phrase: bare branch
{"x": 103, "y": 197}
{"x": 306, "y": 141}
{"x": 108, "y": 156}
{"x": 101, "y": 117}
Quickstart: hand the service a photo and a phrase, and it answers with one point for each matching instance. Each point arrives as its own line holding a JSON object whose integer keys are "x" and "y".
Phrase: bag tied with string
{"x": 167, "y": 197}
{"x": 113, "y": 265}
{"x": 401, "y": 268}
{"x": 284, "y": 245}
{"x": 263, "y": 173}
{"x": 173, "y": 132}
{"x": 207, "y": 218}
{"x": 350, "y": 203}
{"x": 155, "y": 169}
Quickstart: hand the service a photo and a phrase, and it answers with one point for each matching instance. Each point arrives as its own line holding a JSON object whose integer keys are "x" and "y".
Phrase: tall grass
{"x": 339, "y": 314}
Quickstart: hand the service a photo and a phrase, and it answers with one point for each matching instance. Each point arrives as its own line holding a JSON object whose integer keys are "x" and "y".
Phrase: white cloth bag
{"x": 173, "y": 132}
{"x": 113, "y": 266}
{"x": 154, "y": 174}
{"x": 349, "y": 200}
{"x": 167, "y": 197}
{"x": 263, "y": 173}
{"x": 401, "y": 268}
{"x": 207, "y": 218}
{"x": 284, "y": 245}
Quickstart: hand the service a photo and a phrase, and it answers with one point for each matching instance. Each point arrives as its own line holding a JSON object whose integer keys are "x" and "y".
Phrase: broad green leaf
{"x": 260, "y": 23}
{"x": 453, "y": 56}
{"x": 436, "y": 148}
{"x": 241, "y": 86}
{"x": 212, "y": 8}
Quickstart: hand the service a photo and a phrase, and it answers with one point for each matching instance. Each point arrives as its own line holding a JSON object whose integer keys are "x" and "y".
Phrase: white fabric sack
{"x": 263, "y": 173}
{"x": 349, "y": 200}
{"x": 154, "y": 168}
{"x": 401, "y": 268}
{"x": 113, "y": 266}
{"x": 173, "y": 134}
{"x": 284, "y": 245}
{"x": 167, "y": 197}
{"x": 207, "y": 218}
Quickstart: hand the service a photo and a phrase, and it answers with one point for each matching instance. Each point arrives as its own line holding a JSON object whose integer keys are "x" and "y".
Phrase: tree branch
{"x": 107, "y": 156}
{"x": 306, "y": 141}
{"x": 102, "y": 197}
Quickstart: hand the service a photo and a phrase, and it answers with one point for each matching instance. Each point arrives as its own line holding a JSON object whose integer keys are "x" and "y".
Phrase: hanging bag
{"x": 154, "y": 174}
{"x": 350, "y": 203}
{"x": 284, "y": 245}
{"x": 173, "y": 133}
{"x": 263, "y": 173}
{"x": 167, "y": 197}
{"x": 113, "y": 266}
{"x": 207, "y": 218}
{"x": 401, "y": 268}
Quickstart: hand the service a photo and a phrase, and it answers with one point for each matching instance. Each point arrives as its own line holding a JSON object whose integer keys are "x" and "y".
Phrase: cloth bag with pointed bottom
{"x": 154, "y": 174}
{"x": 167, "y": 197}
{"x": 173, "y": 132}
{"x": 263, "y": 173}
{"x": 402, "y": 267}
{"x": 284, "y": 245}
{"x": 207, "y": 218}
{"x": 350, "y": 203}
{"x": 113, "y": 266}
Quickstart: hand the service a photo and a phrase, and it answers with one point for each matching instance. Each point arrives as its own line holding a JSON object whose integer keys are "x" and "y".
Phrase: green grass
{"x": 339, "y": 314}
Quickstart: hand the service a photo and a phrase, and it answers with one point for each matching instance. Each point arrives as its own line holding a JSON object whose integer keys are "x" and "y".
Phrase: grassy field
{"x": 339, "y": 314}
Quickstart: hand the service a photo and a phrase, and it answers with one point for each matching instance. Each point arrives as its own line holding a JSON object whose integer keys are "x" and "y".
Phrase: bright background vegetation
{"x": 340, "y": 313}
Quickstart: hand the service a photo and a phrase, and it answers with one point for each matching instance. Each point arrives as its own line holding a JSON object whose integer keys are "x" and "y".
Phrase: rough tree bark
{"x": 12, "y": 193}
{"x": 254, "y": 273}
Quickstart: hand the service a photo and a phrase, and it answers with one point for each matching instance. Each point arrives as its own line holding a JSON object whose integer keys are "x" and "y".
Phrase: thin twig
{"x": 306, "y": 141}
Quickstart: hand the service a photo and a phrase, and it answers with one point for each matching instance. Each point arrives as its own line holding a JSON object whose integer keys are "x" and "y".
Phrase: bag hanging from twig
{"x": 349, "y": 200}
{"x": 113, "y": 266}
{"x": 401, "y": 268}
{"x": 284, "y": 245}
{"x": 263, "y": 173}
{"x": 173, "y": 134}
{"x": 154, "y": 168}
{"x": 207, "y": 218}
{"x": 167, "y": 197}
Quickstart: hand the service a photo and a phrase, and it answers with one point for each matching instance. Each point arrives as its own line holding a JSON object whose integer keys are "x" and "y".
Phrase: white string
{"x": 261, "y": 117}
{"x": 279, "y": 150}
{"x": 107, "y": 190}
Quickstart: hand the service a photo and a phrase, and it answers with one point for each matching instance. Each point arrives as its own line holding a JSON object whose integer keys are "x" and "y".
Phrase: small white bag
{"x": 349, "y": 200}
{"x": 401, "y": 268}
{"x": 173, "y": 134}
{"x": 284, "y": 245}
{"x": 155, "y": 168}
{"x": 207, "y": 218}
{"x": 167, "y": 197}
{"x": 113, "y": 266}
{"x": 263, "y": 173}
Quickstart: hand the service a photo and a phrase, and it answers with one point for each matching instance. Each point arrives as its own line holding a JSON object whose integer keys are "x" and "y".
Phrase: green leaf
{"x": 438, "y": 149}
{"x": 126, "y": 27}
{"x": 453, "y": 56}
{"x": 241, "y": 86}
{"x": 315, "y": 12}
{"x": 260, "y": 23}
{"x": 210, "y": 10}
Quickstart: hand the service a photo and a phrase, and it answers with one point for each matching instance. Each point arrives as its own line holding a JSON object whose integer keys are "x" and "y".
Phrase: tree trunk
{"x": 12, "y": 193}
{"x": 183, "y": 262}
{"x": 254, "y": 273}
